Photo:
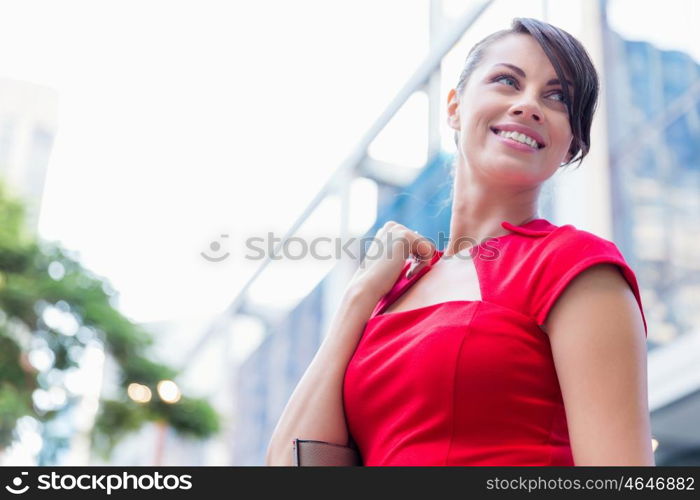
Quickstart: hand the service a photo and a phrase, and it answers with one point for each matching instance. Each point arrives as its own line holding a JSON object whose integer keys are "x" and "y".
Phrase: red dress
{"x": 473, "y": 382}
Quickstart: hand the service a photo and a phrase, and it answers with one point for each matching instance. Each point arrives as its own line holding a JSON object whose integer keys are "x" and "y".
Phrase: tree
{"x": 51, "y": 310}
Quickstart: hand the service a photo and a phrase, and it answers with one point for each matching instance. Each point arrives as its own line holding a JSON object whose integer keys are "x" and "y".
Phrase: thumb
{"x": 422, "y": 252}
{"x": 422, "y": 248}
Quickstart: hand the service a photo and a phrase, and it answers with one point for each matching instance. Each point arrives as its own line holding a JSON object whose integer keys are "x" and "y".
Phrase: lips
{"x": 521, "y": 129}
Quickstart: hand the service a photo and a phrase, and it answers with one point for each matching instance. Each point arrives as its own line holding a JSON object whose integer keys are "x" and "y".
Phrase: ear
{"x": 453, "y": 109}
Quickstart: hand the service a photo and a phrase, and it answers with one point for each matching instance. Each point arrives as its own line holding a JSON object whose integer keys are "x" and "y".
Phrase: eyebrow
{"x": 553, "y": 81}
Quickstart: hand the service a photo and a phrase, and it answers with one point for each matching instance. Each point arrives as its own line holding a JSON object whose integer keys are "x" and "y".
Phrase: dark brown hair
{"x": 568, "y": 57}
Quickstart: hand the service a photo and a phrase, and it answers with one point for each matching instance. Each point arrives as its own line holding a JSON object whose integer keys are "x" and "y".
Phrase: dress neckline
{"x": 423, "y": 308}
{"x": 534, "y": 227}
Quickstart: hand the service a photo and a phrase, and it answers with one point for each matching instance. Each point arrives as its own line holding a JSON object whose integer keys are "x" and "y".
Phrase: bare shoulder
{"x": 598, "y": 292}
{"x": 598, "y": 344}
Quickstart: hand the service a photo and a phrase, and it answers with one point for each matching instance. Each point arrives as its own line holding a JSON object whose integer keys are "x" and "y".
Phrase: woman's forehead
{"x": 521, "y": 51}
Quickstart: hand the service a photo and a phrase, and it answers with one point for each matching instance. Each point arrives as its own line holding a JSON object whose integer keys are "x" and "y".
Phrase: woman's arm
{"x": 597, "y": 337}
{"x": 315, "y": 408}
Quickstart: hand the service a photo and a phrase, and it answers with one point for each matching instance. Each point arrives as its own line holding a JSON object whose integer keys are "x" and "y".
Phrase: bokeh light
{"x": 139, "y": 392}
{"x": 168, "y": 391}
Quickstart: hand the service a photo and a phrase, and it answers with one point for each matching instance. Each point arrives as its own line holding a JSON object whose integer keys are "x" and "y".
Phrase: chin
{"x": 517, "y": 173}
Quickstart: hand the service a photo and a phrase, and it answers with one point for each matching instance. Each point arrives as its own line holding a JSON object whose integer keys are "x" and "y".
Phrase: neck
{"x": 479, "y": 208}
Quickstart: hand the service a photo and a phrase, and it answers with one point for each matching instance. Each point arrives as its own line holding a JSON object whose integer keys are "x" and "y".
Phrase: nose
{"x": 528, "y": 109}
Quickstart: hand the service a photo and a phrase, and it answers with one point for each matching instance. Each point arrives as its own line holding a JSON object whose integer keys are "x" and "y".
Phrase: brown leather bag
{"x": 310, "y": 453}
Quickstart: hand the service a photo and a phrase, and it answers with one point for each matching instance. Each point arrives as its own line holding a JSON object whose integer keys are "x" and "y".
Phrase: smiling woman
{"x": 529, "y": 349}
{"x": 566, "y": 59}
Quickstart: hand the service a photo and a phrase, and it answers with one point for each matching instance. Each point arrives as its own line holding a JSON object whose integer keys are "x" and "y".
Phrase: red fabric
{"x": 473, "y": 382}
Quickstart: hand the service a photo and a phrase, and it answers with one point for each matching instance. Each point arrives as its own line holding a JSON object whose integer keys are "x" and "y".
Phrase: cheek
{"x": 478, "y": 112}
{"x": 566, "y": 144}
{"x": 562, "y": 137}
{"x": 476, "y": 129}
{"x": 475, "y": 143}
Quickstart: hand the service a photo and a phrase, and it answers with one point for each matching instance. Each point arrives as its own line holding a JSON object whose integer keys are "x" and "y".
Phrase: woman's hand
{"x": 315, "y": 409}
{"x": 386, "y": 257}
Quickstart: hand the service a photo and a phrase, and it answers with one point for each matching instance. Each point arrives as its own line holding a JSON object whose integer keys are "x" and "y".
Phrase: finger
{"x": 418, "y": 248}
{"x": 422, "y": 248}
{"x": 414, "y": 269}
{"x": 411, "y": 243}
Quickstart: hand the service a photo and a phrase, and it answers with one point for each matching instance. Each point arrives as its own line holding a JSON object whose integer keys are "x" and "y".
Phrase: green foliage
{"x": 11, "y": 371}
{"x": 190, "y": 417}
{"x": 14, "y": 403}
{"x": 26, "y": 288}
{"x": 145, "y": 371}
{"x": 116, "y": 420}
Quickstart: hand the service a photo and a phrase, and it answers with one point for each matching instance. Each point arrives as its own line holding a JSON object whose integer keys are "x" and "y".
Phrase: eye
{"x": 505, "y": 77}
{"x": 558, "y": 93}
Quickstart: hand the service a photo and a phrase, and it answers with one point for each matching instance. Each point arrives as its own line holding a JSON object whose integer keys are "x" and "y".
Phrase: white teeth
{"x": 519, "y": 137}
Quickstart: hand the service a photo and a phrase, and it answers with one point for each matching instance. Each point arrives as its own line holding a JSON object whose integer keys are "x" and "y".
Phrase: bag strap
{"x": 312, "y": 453}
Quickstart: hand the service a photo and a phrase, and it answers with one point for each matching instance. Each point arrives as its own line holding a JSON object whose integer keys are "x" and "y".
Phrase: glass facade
{"x": 654, "y": 136}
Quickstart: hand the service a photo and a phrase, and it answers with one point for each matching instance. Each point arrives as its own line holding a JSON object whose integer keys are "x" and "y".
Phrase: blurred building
{"x": 28, "y": 124}
{"x": 654, "y": 140}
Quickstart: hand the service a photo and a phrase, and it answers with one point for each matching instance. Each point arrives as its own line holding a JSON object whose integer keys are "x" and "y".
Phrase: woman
{"x": 525, "y": 349}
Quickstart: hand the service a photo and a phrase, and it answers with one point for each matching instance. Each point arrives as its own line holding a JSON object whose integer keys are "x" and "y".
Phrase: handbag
{"x": 312, "y": 453}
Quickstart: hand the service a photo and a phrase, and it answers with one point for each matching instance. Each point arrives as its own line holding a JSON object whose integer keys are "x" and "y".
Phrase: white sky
{"x": 668, "y": 24}
{"x": 181, "y": 121}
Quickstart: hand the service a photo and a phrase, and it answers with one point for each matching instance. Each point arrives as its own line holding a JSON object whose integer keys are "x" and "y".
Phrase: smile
{"x": 520, "y": 142}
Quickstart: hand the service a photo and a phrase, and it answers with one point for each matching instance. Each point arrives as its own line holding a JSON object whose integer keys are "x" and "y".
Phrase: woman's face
{"x": 499, "y": 97}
